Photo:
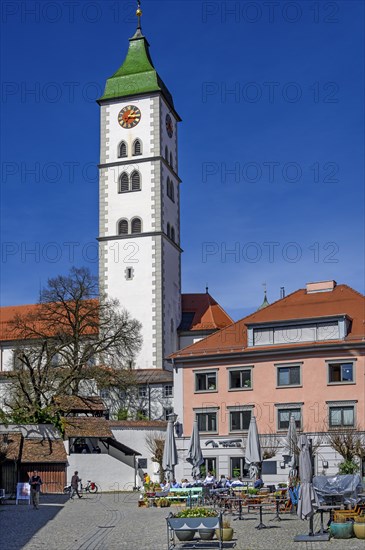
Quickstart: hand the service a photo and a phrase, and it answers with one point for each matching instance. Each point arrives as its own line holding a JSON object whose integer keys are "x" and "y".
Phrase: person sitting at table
{"x": 223, "y": 483}
{"x": 175, "y": 484}
{"x": 184, "y": 483}
{"x": 210, "y": 479}
{"x": 237, "y": 482}
{"x": 258, "y": 482}
{"x": 165, "y": 486}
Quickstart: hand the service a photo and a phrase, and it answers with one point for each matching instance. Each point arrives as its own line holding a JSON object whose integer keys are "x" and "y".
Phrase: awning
{"x": 120, "y": 446}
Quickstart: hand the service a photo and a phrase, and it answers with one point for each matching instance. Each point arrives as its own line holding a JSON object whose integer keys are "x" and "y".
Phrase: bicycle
{"x": 90, "y": 487}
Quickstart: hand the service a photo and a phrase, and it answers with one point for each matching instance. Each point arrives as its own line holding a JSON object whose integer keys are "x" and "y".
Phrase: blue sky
{"x": 270, "y": 146}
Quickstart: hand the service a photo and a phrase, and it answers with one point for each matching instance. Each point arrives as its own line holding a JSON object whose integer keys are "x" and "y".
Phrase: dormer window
{"x": 294, "y": 333}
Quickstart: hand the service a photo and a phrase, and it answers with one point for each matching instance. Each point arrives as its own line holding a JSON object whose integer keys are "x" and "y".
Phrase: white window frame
{"x": 168, "y": 393}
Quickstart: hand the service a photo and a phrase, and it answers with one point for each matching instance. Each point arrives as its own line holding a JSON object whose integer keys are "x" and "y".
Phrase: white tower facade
{"x": 139, "y": 230}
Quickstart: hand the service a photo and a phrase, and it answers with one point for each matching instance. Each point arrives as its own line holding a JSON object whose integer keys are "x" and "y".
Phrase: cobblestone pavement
{"x": 110, "y": 522}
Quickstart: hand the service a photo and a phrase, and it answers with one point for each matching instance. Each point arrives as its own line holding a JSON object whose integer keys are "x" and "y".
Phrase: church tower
{"x": 139, "y": 211}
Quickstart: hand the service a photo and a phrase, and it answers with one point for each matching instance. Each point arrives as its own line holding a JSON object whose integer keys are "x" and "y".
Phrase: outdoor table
{"x": 278, "y": 501}
{"x": 329, "y": 509}
{"x": 260, "y": 525}
{"x": 233, "y": 500}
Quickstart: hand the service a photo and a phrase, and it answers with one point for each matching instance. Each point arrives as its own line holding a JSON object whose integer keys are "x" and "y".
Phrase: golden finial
{"x": 139, "y": 13}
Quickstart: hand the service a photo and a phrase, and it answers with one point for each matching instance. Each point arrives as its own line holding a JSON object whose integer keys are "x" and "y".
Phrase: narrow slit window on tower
{"x": 137, "y": 147}
{"x": 136, "y": 225}
{"x": 123, "y": 227}
{"x": 166, "y": 154}
{"x": 124, "y": 183}
{"x": 172, "y": 192}
{"x": 172, "y": 234}
{"x": 136, "y": 181}
{"x": 123, "y": 152}
{"x": 129, "y": 272}
{"x": 171, "y": 162}
{"x": 168, "y": 231}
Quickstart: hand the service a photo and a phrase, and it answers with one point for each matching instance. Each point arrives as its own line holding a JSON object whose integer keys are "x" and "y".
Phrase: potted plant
{"x": 341, "y": 529}
{"x": 227, "y": 531}
{"x": 359, "y": 527}
{"x": 186, "y": 522}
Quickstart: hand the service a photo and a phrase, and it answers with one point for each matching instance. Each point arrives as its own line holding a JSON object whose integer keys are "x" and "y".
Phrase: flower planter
{"x": 341, "y": 530}
{"x": 359, "y": 530}
{"x": 206, "y": 534}
{"x": 185, "y": 534}
{"x": 193, "y": 523}
{"x": 227, "y": 533}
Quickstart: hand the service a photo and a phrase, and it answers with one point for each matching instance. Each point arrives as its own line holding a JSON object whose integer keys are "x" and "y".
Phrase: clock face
{"x": 129, "y": 116}
{"x": 169, "y": 126}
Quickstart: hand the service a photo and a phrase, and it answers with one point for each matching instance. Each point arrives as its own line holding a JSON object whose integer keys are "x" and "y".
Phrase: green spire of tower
{"x": 137, "y": 74}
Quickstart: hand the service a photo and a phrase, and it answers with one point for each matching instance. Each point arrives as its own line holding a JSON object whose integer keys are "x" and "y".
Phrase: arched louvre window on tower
{"x": 136, "y": 225}
{"x": 136, "y": 181}
{"x": 123, "y": 227}
{"x": 124, "y": 183}
{"x": 137, "y": 147}
{"x": 123, "y": 152}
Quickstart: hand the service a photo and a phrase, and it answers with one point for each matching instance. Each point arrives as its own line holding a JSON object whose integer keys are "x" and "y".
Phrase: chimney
{"x": 282, "y": 292}
{"x": 321, "y": 286}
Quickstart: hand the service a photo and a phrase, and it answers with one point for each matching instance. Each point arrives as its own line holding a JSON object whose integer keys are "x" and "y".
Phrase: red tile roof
{"x": 207, "y": 314}
{"x": 343, "y": 300}
{"x": 9, "y": 313}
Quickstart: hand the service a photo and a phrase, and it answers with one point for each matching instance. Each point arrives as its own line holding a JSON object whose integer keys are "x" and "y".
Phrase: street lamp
{"x": 172, "y": 417}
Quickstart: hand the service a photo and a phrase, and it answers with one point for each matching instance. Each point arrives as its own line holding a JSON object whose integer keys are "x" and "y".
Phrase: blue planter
{"x": 341, "y": 530}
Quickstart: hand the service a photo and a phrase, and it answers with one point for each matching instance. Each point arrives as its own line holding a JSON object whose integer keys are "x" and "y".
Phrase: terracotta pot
{"x": 227, "y": 533}
{"x": 341, "y": 530}
{"x": 359, "y": 530}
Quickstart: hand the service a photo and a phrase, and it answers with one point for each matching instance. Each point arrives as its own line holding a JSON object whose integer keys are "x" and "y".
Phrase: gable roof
{"x": 342, "y": 300}
{"x": 84, "y": 426}
{"x": 77, "y": 404}
{"x": 202, "y": 312}
{"x": 43, "y": 450}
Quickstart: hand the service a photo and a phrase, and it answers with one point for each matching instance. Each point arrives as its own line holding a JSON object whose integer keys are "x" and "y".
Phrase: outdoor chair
{"x": 359, "y": 510}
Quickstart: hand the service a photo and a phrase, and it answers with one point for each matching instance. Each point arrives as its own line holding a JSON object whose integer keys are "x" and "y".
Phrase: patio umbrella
{"x": 292, "y": 446}
{"x": 253, "y": 455}
{"x": 308, "y": 500}
{"x": 170, "y": 459}
{"x": 195, "y": 455}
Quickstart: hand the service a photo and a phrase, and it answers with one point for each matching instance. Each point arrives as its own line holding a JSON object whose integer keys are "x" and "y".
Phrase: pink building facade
{"x": 301, "y": 356}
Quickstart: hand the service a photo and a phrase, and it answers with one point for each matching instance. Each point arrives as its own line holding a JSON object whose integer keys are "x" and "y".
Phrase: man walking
{"x": 35, "y": 483}
{"x": 75, "y": 480}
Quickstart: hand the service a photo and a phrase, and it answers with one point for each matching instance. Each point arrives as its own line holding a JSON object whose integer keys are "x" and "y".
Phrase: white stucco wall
{"x": 106, "y": 471}
{"x": 136, "y": 439}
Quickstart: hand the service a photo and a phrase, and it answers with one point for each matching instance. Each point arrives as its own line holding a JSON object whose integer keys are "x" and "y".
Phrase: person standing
{"x": 75, "y": 480}
{"x": 35, "y": 483}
